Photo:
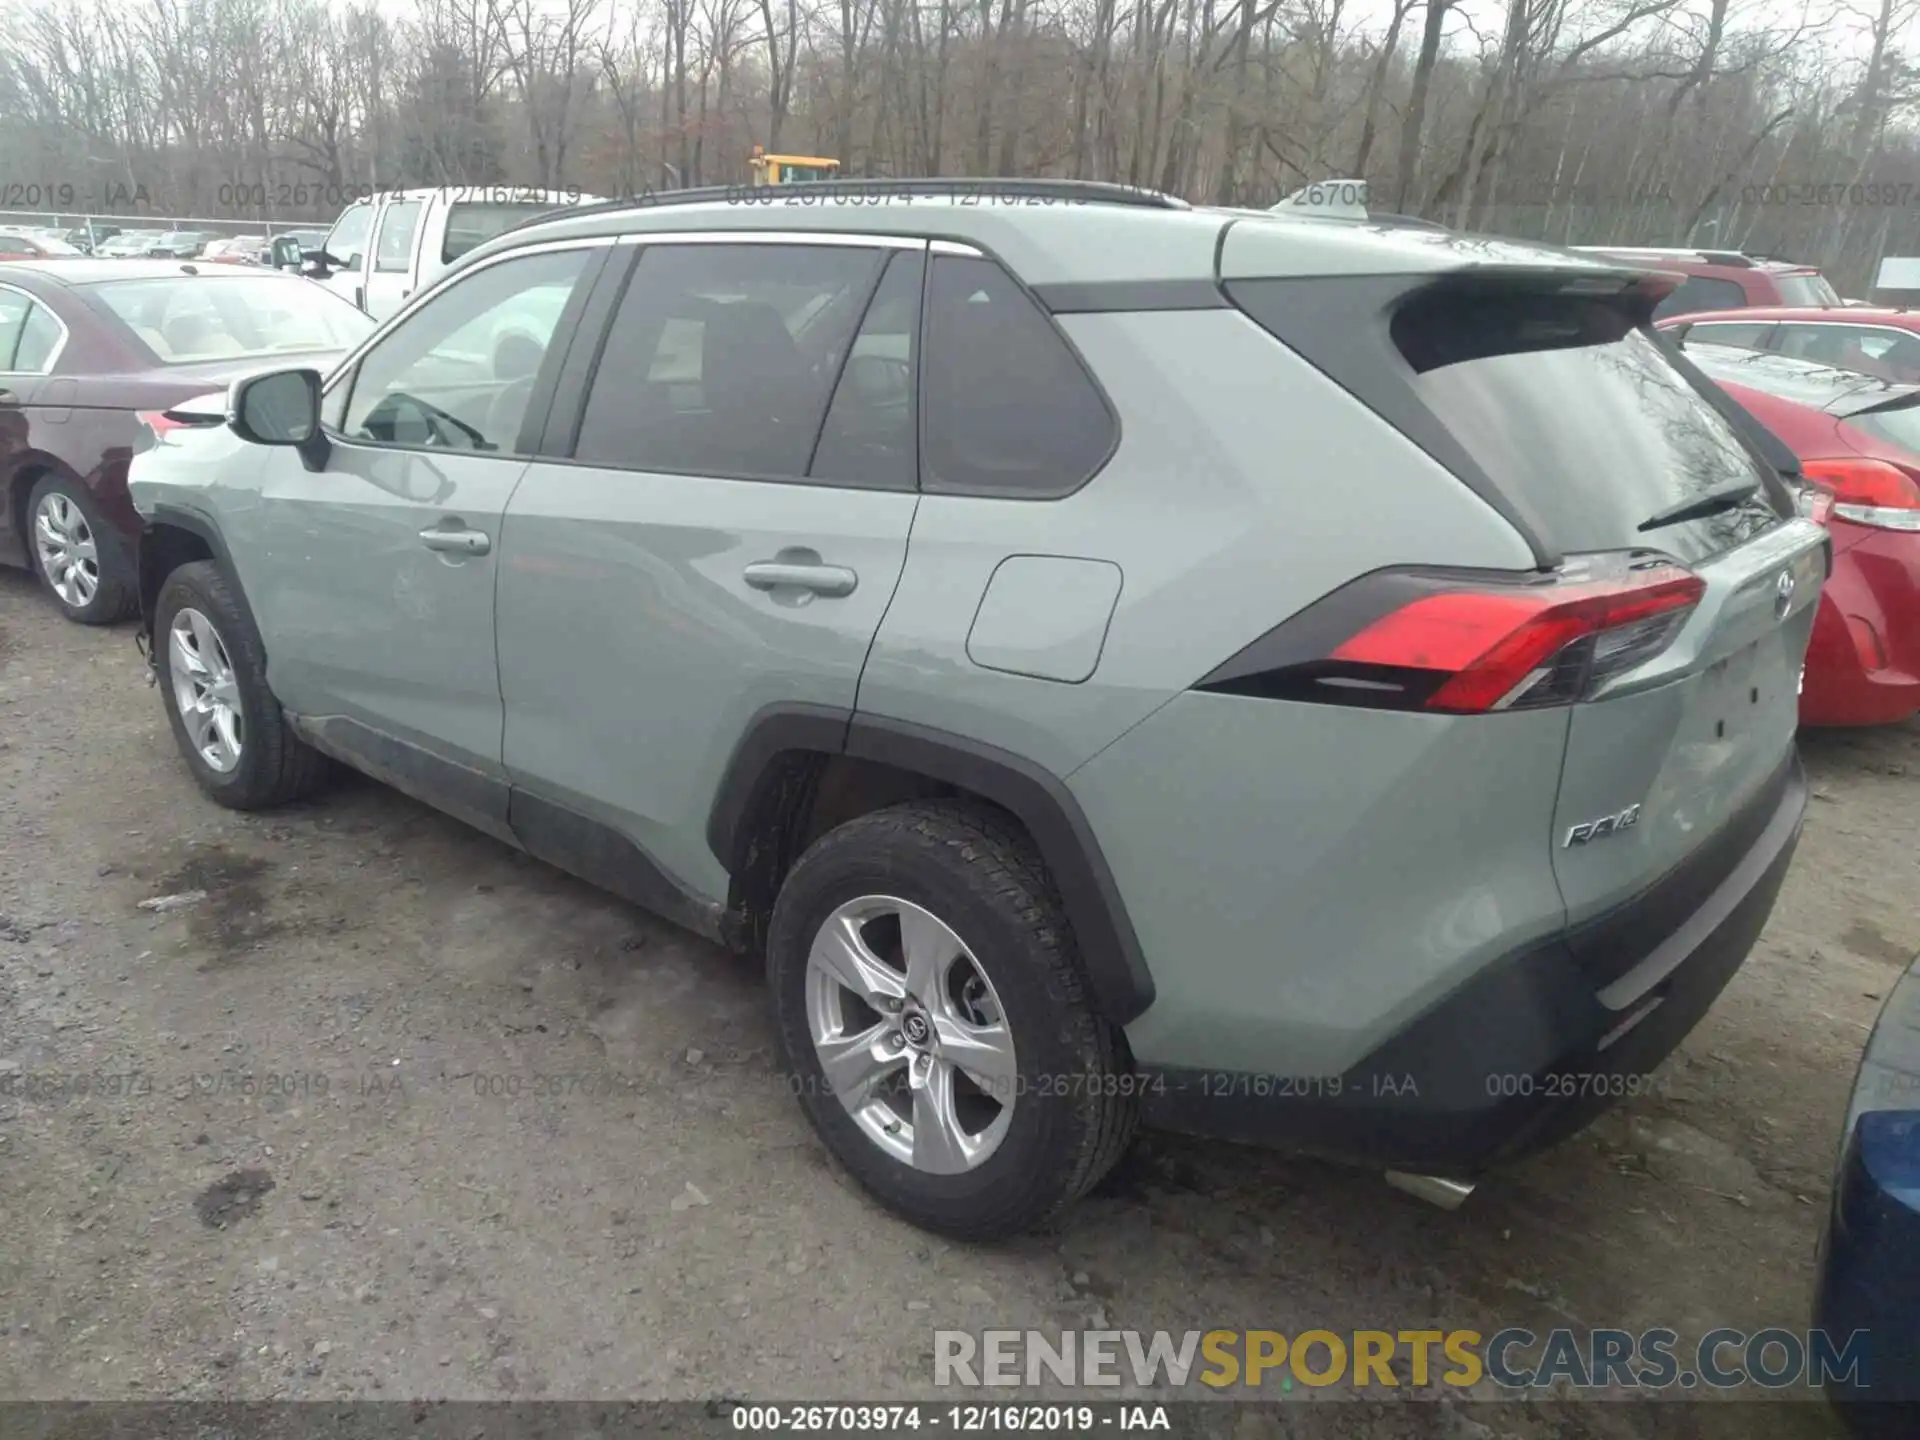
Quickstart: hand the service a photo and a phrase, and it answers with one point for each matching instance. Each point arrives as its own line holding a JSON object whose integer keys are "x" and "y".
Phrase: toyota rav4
{"x": 1287, "y": 678}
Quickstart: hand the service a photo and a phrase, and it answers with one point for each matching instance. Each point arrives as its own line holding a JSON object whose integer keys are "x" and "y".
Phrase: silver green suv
{"x": 1300, "y": 680}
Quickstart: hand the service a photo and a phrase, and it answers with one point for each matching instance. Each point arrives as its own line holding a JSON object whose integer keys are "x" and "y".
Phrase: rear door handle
{"x": 832, "y": 580}
{"x": 457, "y": 542}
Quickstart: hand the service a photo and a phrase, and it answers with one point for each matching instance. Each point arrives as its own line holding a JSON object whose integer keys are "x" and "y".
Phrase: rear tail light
{"x": 1867, "y": 492}
{"x": 160, "y": 422}
{"x": 1467, "y": 644}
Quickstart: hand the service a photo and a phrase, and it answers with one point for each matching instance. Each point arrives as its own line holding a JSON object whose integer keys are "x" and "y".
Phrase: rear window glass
{"x": 1570, "y": 408}
{"x": 471, "y": 225}
{"x": 187, "y": 319}
{"x": 1806, "y": 290}
{"x": 1701, "y": 292}
{"x": 1897, "y": 427}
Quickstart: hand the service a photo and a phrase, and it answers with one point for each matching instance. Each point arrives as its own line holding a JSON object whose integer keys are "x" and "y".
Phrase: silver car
{"x": 1300, "y": 680}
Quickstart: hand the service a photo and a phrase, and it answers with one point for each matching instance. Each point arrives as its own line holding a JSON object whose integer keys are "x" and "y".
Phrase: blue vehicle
{"x": 1870, "y": 1254}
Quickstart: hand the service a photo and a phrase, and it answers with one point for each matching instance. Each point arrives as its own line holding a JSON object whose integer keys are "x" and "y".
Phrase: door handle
{"x": 457, "y": 542}
{"x": 832, "y": 580}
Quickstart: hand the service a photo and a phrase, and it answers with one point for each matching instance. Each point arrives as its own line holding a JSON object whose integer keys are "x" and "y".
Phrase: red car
{"x": 90, "y": 351}
{"x": 1726, "y": 279}
{"x": 1858, "y": 441}
{"x": 1870, "y": 339}
{"x": 17, "y": 245}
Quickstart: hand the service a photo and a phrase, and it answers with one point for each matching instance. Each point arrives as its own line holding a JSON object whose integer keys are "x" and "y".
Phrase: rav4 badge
{"x": 1598, "y": 829}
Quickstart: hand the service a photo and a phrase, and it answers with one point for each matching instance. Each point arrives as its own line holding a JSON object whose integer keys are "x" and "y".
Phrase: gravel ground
{"x": 416, "y": 1117}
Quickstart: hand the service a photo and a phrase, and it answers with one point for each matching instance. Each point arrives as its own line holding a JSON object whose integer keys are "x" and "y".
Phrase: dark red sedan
{"x": 87, "y": 347}
{"x": 1858, "y": 441}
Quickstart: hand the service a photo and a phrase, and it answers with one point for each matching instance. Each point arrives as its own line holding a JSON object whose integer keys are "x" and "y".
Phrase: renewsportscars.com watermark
{"x": 1372, "y": 1360}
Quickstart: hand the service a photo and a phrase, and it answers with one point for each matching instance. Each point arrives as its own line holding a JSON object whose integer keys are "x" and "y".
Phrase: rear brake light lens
{"x": 159, "y": 422}
{"x": 1867, "y": 492}
{"x": 1466, "y": 645}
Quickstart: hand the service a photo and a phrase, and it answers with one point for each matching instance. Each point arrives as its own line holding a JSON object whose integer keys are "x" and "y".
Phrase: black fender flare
{"x": 1122, "y": 986}
{"x": 179, "y": 517}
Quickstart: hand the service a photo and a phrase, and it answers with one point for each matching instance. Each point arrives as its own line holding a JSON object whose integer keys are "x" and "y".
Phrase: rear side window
{"x": 1567, "y": 405}
{"x": 39, "y": 338}
{"x": 1701, "y": 292}
{"x": 1897, "y": 427}
{"x": 721, "y": 358}
{"x": 1009, "y": 409}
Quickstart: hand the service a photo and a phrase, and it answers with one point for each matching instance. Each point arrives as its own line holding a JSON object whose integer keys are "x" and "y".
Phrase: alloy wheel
{"x": 910, "y": 1034}
{"x": 204, "y": 690}
{"x": 68, "y": 555}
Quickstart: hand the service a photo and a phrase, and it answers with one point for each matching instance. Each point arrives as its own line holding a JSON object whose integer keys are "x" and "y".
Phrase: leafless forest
{"x": 1780, "y": 125}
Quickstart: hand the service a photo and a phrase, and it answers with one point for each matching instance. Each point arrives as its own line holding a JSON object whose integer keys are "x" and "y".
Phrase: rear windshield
{"x": 188, "y": 319}
{"x": 1897, "y": 427}
{"x": 475, "y": 224}
{"x": 1572, "y": 409}
{"x": 1806, "y": 290}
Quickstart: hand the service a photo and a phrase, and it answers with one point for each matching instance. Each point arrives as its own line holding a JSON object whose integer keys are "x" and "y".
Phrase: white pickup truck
{"x": 389, "y": 245}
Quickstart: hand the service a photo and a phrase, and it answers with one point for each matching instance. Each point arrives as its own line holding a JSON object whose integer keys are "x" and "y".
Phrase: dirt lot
{"x": 417, "y": 1117}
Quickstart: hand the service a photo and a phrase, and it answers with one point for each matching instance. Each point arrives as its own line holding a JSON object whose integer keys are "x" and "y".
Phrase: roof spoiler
{"x": 1330, "y": 199}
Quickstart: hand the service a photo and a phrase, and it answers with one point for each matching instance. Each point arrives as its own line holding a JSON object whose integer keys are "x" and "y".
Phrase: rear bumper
{"x": 1863, "y": 661}
{"x": 1535, "y": 1045}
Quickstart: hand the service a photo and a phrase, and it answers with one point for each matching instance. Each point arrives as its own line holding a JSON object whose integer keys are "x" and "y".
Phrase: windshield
{"x": 471, "y": 225}
{"x": 805, "y": 172}
{"x": 1807, "y": 290}
{"x": 187, "y": 319}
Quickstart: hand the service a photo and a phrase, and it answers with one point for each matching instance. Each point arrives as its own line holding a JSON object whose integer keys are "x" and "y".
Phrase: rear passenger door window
{"x": 1009, "y": 409}
{"x": 869, "y": 438}
{"x": 722, "y": 358}
{"x": 393, "y": 253}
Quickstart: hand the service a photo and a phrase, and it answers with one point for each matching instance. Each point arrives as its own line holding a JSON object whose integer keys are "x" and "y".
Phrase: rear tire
{"x": 950, "y": 875}
{"x": 213, "y": 675}
{"x": 81, "y": 563}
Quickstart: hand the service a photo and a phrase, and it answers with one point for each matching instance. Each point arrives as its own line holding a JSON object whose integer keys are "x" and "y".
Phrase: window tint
{"x": 868, "y": 440}
{"x": 469, "y": 225}
{"x": 38, "y": 339}
{"x": 1747, "y": 337}
{"x": 1897, "y": 427}
{"x": 720, "y": 358}
{"x": 347, "y": 241}
{"x": 459, "y": 372}
{"x": 397, "y": 227}
{"x": 1009, "y": 408}
{"x": 1698, "y": 292}
{"x": 1567, "y": 405}
{"x": 13, "y": 319}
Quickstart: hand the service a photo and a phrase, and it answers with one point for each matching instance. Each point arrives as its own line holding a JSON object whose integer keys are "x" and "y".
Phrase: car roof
{"x": 1816, "y": 314}
{"x": 89, "y": 270}
{"x": 1057, "y": 231}
{"x": 1804, "y": 382}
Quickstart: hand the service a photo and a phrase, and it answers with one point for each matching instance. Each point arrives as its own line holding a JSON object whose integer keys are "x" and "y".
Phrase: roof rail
{"x": 986, "y": 190}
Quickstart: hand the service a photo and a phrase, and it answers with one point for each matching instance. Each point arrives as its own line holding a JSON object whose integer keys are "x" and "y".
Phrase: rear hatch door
{"x": 1542, "y": 386}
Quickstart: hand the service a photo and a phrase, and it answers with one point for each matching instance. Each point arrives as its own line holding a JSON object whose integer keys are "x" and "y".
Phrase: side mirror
{"x": 281, "y": 407}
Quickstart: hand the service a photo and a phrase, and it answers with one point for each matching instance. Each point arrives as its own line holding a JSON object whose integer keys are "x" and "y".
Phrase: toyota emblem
{"x": 1783, "y": 594}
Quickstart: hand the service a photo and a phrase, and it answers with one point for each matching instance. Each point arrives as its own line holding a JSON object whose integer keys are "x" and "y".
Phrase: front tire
{"x": 213, "y": 675}
{"x": 935, "y": 1021}
{"x": 79, "y": 560}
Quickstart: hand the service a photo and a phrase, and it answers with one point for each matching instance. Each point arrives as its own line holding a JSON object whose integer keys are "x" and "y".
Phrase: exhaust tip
{"x": 1435, "y": 1190}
